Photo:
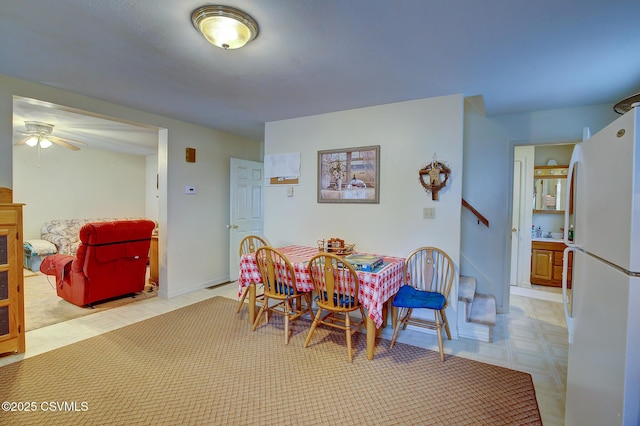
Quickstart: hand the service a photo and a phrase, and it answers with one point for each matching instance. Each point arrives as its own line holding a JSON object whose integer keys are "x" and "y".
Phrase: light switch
{"x": 290, "y": 191}
{"x": 429, "y": 213}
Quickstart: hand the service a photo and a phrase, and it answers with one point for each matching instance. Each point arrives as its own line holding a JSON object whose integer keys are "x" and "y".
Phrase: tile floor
{"x": 531, "y": 338}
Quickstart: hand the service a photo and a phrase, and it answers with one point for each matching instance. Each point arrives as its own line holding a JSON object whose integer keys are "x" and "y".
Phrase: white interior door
{"x": 247, "y": 206}
{"x": 516, "y": 223}
{"x": 523, "y": 158}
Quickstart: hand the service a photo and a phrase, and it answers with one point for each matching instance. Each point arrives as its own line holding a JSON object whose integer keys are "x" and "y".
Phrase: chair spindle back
{"x": 277, "y": 272}
{"x": 429, "y": 269}
{"x": 335, "y": 282}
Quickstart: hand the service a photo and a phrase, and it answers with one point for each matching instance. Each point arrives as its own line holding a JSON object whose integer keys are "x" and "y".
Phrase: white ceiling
{"x": 313, "y": 57}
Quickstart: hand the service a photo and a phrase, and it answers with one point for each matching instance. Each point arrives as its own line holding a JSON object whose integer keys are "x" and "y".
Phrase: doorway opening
{"x": 116, "y": 157}
{"x": 538, "y": 217}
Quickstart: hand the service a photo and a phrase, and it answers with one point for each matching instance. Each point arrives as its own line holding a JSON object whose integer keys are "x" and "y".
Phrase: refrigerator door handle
{"x": 565, "y": 300}
{"x": 576, "y": 158}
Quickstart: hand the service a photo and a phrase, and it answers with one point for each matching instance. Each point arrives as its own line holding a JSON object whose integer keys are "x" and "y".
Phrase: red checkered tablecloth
{"x": 375, "y": 287}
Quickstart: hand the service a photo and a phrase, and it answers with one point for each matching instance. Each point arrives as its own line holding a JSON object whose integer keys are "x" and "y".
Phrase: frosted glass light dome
{"x": 224, "y": 26}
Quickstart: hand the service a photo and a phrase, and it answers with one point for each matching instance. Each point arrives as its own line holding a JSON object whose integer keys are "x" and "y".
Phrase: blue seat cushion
{"x": 409, "y": 297}
{"x": 341, "y": 300}
{"x": 283, "y": 289}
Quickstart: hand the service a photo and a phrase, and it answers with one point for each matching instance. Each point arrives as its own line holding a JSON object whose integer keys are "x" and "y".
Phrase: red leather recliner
{"x": 111, "y": 261}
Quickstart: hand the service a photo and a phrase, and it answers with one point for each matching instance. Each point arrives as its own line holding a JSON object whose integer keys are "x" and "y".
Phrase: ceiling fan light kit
{"x": 35, "y": 141}
{"x": 224, "y": 26}
{"x": 40, "y": 130}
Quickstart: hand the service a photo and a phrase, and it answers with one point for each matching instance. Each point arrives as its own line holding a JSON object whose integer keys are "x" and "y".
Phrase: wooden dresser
{"x": 546, "y": 263}
{"x": 12, "y": 329}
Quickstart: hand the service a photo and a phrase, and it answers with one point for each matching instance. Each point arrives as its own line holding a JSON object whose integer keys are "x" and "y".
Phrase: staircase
{"x": 476, "y": 312}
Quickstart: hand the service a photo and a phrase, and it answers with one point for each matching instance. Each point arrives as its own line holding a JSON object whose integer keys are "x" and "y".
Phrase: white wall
{"x": 152, "y": 207}
{"x": 488, "y": 163}
{"x": 65, "y": 184}
{"x": 199, "y": 239}
{"x": 193, "y": 239}
{"x": 409, "y": 134}
{"x": 561, "y": 154}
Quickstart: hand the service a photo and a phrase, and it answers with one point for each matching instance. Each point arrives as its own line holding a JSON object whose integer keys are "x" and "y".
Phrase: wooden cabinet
{"x": 11, "y": 279}
{"x": 546, "y": 263}
{"x": 541, "y": 264}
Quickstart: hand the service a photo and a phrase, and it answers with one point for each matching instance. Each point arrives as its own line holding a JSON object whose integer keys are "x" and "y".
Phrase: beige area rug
{"x": 43, "y": 306}
{"x": 201, "y": 364}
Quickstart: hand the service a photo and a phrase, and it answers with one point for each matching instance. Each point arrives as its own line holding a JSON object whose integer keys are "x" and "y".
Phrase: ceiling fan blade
{"x": 60, "y": 142}
{"x": 68, "y": 140}
{"x": 22, "y": 141}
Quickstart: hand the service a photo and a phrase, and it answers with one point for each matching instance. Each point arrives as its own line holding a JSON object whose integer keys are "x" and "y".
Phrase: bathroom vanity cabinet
{"x": 546, "y": 263}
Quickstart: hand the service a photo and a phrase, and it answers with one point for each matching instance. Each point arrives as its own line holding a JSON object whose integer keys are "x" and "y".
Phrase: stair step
{"x": 483, "y": 310}
{"x": 466, "y": 289}
{"x": 476, "y": 312}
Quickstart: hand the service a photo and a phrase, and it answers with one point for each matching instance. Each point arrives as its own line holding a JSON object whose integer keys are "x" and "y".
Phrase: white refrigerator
{"x": 603, "y": 316}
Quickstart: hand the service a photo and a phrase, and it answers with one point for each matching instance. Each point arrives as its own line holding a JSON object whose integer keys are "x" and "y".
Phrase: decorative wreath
{"x": 433, "y": 172}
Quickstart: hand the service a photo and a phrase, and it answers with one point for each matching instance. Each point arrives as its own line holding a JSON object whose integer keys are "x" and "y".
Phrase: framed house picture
{"x": 349, "y": 175}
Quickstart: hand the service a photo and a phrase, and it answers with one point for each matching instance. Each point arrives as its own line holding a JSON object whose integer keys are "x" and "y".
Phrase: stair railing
{"x": 478, "y": 215}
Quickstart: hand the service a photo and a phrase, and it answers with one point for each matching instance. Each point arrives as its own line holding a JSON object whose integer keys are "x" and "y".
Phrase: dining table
{"x": 376, "y": 288}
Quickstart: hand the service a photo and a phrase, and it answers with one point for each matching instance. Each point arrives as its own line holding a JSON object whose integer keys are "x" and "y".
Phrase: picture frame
{"x": 349, "y": 175}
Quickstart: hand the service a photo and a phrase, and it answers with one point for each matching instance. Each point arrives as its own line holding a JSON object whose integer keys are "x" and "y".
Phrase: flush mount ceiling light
{"x": 627, "y": 104}
{"x": 224, "y": 26}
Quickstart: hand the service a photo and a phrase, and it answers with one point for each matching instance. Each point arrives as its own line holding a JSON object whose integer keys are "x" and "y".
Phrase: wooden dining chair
{"x": 336, "y": 285}
{"x": 428, "y": 272}
{"x": 279, "y": 280}
{"x": 249, "y": 244}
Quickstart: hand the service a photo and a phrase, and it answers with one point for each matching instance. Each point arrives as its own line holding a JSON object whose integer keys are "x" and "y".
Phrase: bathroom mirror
{"x": 550, "y": 189}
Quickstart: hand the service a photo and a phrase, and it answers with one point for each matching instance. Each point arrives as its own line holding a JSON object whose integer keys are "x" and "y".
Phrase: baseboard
{"x": 473, "y": 331}
{"x": 162, "y": 291}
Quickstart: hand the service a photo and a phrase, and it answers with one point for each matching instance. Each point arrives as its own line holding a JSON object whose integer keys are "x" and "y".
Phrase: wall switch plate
{"x": 429, "y": 213}
{"x": 290, "y": 191}
{"x": 190, "y": 189}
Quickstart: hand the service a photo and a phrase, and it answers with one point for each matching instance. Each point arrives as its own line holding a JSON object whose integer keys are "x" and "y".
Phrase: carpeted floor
{"x": 43, "y": 306}
{"x": 202, "y": 365}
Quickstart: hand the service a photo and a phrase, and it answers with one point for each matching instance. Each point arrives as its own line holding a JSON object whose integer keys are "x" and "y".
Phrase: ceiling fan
{"x": 39, "y": 134}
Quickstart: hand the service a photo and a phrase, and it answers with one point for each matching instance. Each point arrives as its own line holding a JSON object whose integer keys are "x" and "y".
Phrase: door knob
{"x": 232, "y": 226}
{"x": 514, "y": 230}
